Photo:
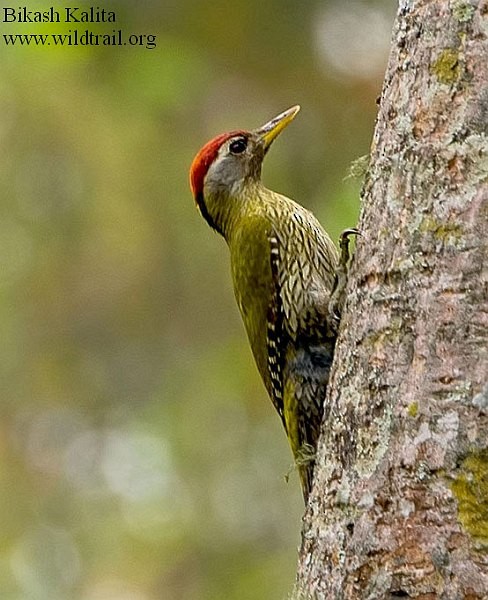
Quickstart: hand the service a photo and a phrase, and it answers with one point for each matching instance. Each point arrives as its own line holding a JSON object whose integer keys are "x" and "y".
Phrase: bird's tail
{"x": 305, "y": 382}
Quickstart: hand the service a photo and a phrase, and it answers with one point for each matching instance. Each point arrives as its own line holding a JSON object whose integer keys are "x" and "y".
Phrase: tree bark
{"x": 399, "y": 506}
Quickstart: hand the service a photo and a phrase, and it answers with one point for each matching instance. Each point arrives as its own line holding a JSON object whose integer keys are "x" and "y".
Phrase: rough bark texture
{"x": 400, "y": 500}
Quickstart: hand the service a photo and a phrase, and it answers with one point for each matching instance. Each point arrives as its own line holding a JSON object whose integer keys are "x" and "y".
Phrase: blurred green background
{"x": 140, "y": 458}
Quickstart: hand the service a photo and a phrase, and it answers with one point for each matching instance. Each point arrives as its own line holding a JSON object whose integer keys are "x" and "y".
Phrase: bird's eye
{"x": 238, "y": 146}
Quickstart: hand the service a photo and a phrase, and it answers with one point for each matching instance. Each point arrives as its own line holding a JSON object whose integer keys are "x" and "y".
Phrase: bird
{"x": 286, "y": 274}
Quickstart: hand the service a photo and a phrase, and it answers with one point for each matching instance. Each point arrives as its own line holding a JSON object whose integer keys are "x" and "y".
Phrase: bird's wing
{"x": 302, "y": 278}
{"x": 306, "y": 264}
{"x": 276, "y": 342}
{"x": 300, "y": 347}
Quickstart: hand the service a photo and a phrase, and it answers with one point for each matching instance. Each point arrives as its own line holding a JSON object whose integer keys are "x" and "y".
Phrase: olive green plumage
{"x": 283, "y": 269}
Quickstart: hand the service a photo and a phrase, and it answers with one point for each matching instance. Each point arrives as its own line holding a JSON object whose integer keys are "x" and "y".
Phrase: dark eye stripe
{"x": 238, "y": 146}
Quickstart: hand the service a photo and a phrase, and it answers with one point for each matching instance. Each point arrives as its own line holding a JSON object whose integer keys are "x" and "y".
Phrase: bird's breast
{"x": 253, "y": 285}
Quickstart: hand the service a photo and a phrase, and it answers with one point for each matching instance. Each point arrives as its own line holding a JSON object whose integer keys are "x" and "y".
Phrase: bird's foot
{"x": 305, "y": 456}
{"x": 337, "y": 297}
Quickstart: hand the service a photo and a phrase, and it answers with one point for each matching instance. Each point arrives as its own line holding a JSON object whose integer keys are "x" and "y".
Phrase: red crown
{"x": 204, "y": 158}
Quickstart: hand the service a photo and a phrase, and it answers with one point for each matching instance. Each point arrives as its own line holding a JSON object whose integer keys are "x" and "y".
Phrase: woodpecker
{"x": 284, "y": 271}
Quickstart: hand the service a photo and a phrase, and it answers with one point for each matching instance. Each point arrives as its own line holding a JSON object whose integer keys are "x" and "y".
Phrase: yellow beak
{"x": 268, "y": 132}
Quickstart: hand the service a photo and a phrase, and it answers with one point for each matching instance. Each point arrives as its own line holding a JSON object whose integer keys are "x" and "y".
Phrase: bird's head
{"x": 229, "y": 164}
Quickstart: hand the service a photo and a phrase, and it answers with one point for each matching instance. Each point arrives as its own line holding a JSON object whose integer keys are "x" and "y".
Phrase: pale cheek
{"x": 227, "y": 171}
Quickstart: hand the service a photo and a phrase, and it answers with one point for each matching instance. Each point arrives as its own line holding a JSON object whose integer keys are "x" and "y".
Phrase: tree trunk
{"x": 400, "y": 500}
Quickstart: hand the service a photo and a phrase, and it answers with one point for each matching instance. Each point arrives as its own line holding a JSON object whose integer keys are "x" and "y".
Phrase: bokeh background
{"x": 140, "y": 458}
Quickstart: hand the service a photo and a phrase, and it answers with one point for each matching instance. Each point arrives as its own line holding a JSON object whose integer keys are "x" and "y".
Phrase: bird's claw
{"x": 350, "y": 231}
{"x": 337, "y": 297}
{"x": 344, "y": 245}
{"x": 335, "y": 314}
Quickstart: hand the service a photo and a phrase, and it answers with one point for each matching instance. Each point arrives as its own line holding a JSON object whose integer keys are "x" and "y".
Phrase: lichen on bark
{"x": 471, "y": 490}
